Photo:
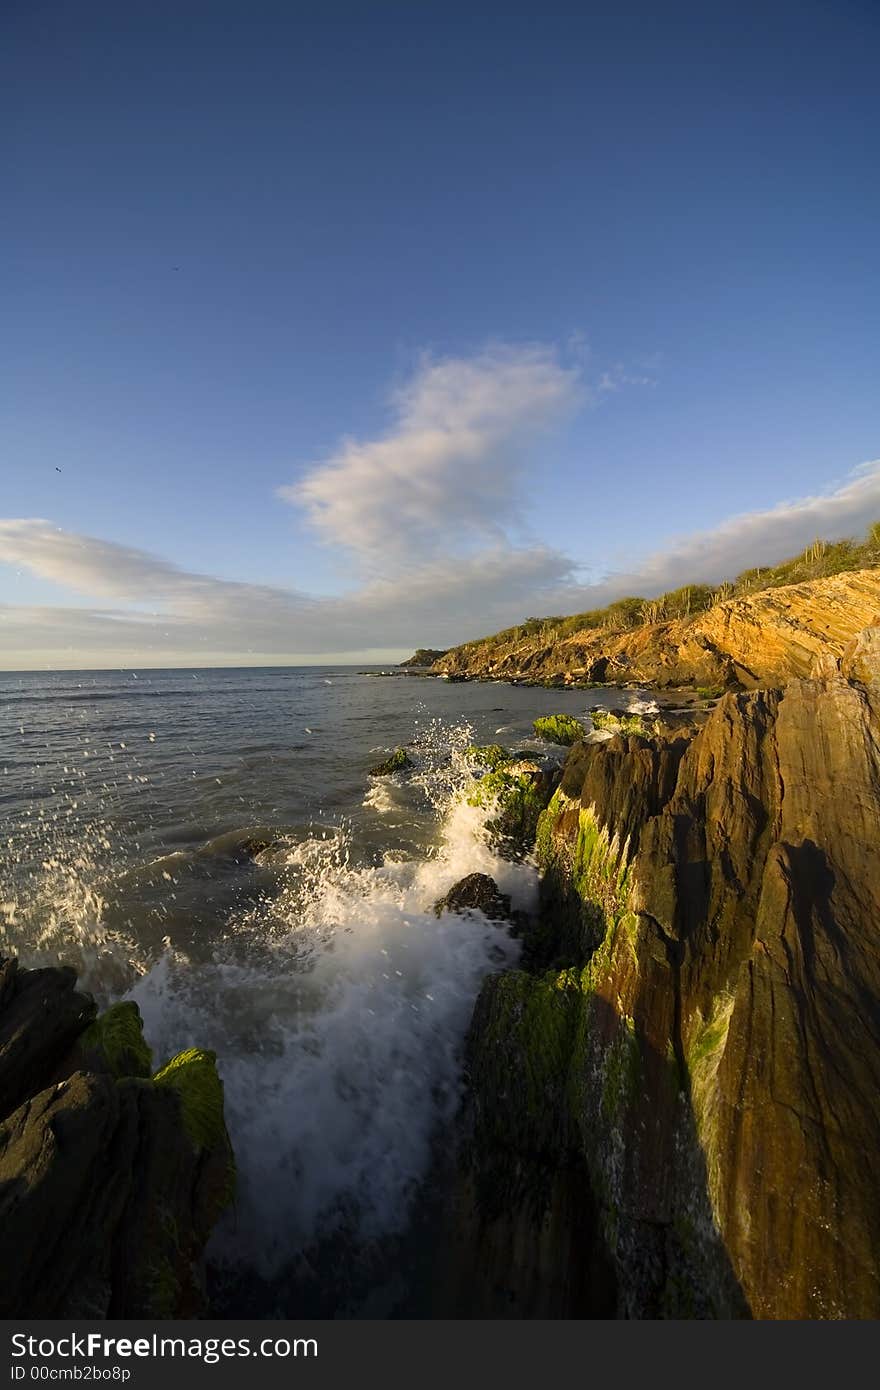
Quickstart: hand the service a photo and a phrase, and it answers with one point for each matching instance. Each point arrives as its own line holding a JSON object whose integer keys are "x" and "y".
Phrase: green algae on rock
{"x": 110, "y": 1181}
{"x": 116, "y": 1039}
{"x": 193, "y": 1075}
{"x": 489, "y": 755}
{"x": 619, "y": 722}
{"x": 559, "y": 728}
{"x": 398, "y": 760}
{"x": 517, "y": 795}
{"x": 690, "y": 1028}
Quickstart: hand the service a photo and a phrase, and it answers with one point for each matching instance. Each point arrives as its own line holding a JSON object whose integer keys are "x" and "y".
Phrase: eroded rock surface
{"x": 763, "y": 639}
{"x": 699, "y": 1025}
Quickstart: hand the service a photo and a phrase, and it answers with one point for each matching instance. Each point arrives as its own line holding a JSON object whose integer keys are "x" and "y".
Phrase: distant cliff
{"x": 425, "y": 656}
{"x": 673, "y": 1106}
{"x": 760, "y": 639}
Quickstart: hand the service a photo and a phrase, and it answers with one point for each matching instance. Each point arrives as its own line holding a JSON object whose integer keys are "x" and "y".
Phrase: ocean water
{"x": 211, "y": 844}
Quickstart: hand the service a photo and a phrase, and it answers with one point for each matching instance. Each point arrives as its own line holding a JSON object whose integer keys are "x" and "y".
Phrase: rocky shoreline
{"x": 760, "y": 640}
{"x": 670, "y": 1107}
{"x": 112, "y": 1175}
{"x": 672, "y": 1104}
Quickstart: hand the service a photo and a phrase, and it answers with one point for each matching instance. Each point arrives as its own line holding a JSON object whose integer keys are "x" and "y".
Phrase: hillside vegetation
{"x": 765, "y": 626}
{"x": 819, "y": 561}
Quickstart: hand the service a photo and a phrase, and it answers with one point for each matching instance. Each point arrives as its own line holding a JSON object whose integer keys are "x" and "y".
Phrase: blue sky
{"x": 397, "y": 322}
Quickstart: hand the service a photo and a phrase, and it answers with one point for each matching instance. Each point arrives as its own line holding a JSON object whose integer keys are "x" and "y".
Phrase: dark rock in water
{"x": 110, "y": 1181}
{"x": 700, "y": 1028}
{"x": 399, "y": 760}
{"x": 41, "y": 1016}
{"x": 255, "y": 845}
{"x": 476, "y": 893}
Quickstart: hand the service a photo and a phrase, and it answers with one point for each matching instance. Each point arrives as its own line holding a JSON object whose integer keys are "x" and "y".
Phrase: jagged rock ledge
{"x": 111, "y": 1175}
{"x": 673, "y": 1104}
{"x": 762, "y": 639}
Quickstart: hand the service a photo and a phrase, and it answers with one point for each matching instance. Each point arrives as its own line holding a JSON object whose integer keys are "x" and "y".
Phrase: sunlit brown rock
{"x": 699, "y": 1021}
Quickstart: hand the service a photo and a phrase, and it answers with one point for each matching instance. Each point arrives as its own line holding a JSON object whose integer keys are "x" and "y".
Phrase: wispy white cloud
{"x": 429, "y": 509}
{"x": 202, "y": 619}
{"x": 765, "y": 537}
{"x": 446, "y": 476}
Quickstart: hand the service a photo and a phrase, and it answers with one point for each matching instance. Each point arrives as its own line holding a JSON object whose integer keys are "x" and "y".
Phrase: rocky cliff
{"x": 673, "y": 1106}
{"x": 758, "y": 640}
{"x": 425, "y": 656}
{"x": 111, "y": 1175}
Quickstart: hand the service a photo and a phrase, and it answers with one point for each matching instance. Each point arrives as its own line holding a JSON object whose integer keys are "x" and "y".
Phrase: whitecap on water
{"x": 643, "y": 707}
{"x": 380, "y": 798}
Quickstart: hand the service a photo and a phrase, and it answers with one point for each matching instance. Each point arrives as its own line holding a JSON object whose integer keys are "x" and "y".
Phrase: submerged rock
{"x": 399, "y": 760}
{"x": 110, "y": 1182}
{"x": 476, "y": 893}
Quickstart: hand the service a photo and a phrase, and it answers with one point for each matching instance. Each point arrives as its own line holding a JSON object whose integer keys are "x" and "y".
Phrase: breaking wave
{"x": 337, "y": 1006}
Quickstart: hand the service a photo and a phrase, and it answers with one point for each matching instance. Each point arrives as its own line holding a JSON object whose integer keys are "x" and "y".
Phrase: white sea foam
{"x": 643, "y": 707}
{"x": 338, "y": 1014}
{"x": 380, "y": 798}
{"x": 61, "y": 914}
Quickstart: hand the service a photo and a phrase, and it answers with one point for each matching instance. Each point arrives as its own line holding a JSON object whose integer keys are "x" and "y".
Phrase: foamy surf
{"x": 338, "y": 1009}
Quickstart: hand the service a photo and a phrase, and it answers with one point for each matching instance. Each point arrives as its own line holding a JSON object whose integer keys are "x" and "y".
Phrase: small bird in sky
{"x": 57, "y": 469}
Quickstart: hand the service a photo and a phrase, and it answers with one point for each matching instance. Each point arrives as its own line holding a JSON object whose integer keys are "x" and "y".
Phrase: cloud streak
{"x": 430, "y": 511}
{"x": 762, "y": 538}
{"x": 203, "y": 620}
{"x": 445, "y": 478}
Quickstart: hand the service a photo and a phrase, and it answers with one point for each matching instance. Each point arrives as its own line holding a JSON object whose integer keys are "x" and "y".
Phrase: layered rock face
{"x": 697, "y": 1031}
{"x": 110, "y": 1178}
{"x": 760, "y": 640}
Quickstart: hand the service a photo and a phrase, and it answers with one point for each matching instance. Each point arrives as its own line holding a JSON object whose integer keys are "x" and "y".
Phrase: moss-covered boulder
{"x": 490, "y": 756}
{"x": 560, "y": 728}
{"x": 397, "y": 762}
{"x": 115, "y": 1042}
{"x": 192, "y": 1075}
{"x": 621, "y": 722}
{"x": 516, "y": 794}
